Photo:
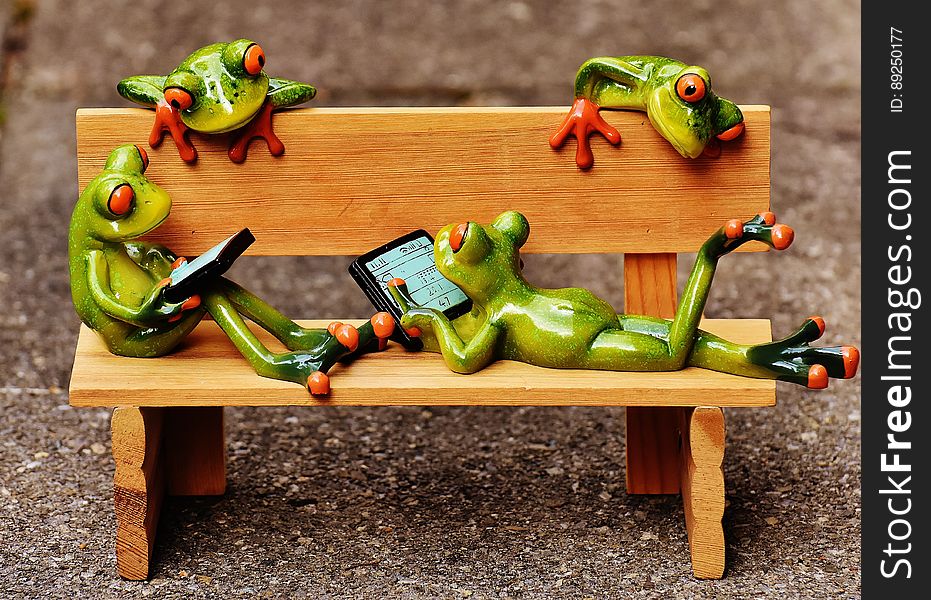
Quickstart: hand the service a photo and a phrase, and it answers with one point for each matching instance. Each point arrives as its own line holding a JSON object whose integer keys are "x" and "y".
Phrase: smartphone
{"x": 409, "y": 257}
{"x": 189, "y": 278}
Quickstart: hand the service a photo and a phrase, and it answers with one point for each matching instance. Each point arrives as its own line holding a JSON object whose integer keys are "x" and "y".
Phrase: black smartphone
{"x": 409, "y": 257}
{"x": 189, "y": 277}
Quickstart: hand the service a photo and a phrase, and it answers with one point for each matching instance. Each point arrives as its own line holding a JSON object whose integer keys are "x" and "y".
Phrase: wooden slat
{"x": 208, "y": 371}
{"x": 353, "y": 178}
{"x": 652, "y": 456}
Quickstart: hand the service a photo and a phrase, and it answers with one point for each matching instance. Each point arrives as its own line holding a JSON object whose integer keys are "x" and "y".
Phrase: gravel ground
{"x": 445, "y": 502}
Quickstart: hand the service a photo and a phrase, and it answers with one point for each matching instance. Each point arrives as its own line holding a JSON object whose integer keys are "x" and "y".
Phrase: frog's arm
{"x": 460, "y": 356}
{"x": 142, "y": 89}
{"x": 151, "y": 310}
{"x": 628, "y": 78}
{"x": 283, "y": 93}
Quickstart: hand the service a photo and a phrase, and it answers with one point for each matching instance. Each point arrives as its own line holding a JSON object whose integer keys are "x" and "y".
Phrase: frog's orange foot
{"x": 168, "y": 118}
{"x": 817, "y": 377}
{"x": 582, "y": 120}
{"x": 851, "y": 361}
{"x": 348, "y": 336}
{"x": 763, "y": 228}
{"x": 258, "y": 127}
{"x": 383, "y": 326}
{"x": 318, "y": 383}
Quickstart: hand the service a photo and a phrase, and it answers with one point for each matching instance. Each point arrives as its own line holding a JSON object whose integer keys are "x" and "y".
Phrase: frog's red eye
{"x": 691, "y": 87}
{"x": 457, "y": 235}
{"x": 179, "y": 98}
{"x": 254, "y": 59}
{"x": 121, "y": 199}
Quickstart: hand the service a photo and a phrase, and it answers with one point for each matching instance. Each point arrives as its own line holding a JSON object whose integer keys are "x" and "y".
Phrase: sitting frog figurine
{"x": 676, "y": 97}
{"x": 219, "y": 88}
{"x": 117, "y": 285}
{"x": 572, "y": 328}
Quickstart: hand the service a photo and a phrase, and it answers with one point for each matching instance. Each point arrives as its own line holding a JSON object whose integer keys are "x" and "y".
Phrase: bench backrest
{"x": 352, "y": 179}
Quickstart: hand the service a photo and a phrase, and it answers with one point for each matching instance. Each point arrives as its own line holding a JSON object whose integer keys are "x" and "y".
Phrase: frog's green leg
{"x": 791, "y": 359}
{"x": 146, "y": 90}
{"x": 284, "y": 93}
{"x": 601, "y": 81}
{"x": 306, "y": 366}
{"x": 728, "y": 238}
{"x": 123, "y": 339}
{"x": 370, "y": 336}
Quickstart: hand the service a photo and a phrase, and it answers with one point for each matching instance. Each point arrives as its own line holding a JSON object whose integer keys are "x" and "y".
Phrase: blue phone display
{"x": 413, "y": 262}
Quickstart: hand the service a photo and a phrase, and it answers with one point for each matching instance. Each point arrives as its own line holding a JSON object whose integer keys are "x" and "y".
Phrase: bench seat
{"x": 209, "y": 371}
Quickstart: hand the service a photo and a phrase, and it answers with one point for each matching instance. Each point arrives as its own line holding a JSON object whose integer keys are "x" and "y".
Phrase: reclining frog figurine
{"x": 117, "y": 286}
{"x": 571, "y": 328}
{"x": 676, "y": 97}
{"x": 219, "y": 88}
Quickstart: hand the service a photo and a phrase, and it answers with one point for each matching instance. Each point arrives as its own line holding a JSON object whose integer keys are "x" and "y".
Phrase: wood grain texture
{"x": 194, "y": 451}
{"x": 652, "y": 432}
{"x": 353, "y": 178}
{"x": 138, "y": 486}
{"x": 208, "y": 371}
{"x": 703, "y": 488}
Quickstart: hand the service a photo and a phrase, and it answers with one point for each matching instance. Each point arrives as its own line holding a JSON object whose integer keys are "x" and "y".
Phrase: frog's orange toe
{"x": 819, "y": 322}
{"x": 191, "y": 303}
{"x": 782, "y": 236}
{"x": 332, "y": 327}
{"x": 382, "y": 325}
{"x": 414, "y": 332}
{"x": 769, "y": 218}
{"x": 348, "y": 336}
{"x": 397, "y": 282}
{"x": 318, "y": 383}
{"x": 817, "y": 377}
{"x": 851, "y": 361}
{"x": 733, "y": 229}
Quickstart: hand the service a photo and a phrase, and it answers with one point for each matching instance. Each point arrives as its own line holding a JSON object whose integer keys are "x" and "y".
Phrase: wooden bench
{"x": 354, "y": 178}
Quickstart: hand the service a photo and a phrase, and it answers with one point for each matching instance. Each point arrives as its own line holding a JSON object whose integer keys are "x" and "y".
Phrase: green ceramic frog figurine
{"x": 219, "y": 88}
{"x": 676, "y": 97}
{"x": 572, "y": 328}
{"x": 117, "y": 284}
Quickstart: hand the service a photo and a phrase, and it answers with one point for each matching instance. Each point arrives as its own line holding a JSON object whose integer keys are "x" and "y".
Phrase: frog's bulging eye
{"x": 690, "y": 87}
{"x": 121, "y": 199}
{"x": 457, "y": 235}
{"x": 254, "y": 59}
{"x": 178, "y": 98}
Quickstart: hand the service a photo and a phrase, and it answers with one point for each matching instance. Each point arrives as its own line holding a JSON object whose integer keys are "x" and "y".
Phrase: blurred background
{"x": 439, "y": 502}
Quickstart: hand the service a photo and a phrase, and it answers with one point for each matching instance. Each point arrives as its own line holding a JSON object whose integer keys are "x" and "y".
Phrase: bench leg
{"x": 703, "y": 488}
{"x": 195, "y": 451}
{"x": 653, "y": 450}
{"x": 138, "y": 487}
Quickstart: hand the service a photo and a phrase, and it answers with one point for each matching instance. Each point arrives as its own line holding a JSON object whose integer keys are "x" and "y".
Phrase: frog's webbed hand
{"x": 147, "y": 91}
{"x": 460, "y": 356}
{"x": 282, "y": 93}
{"x": 153, "y": 310}
{"x": 583, "y": 117}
